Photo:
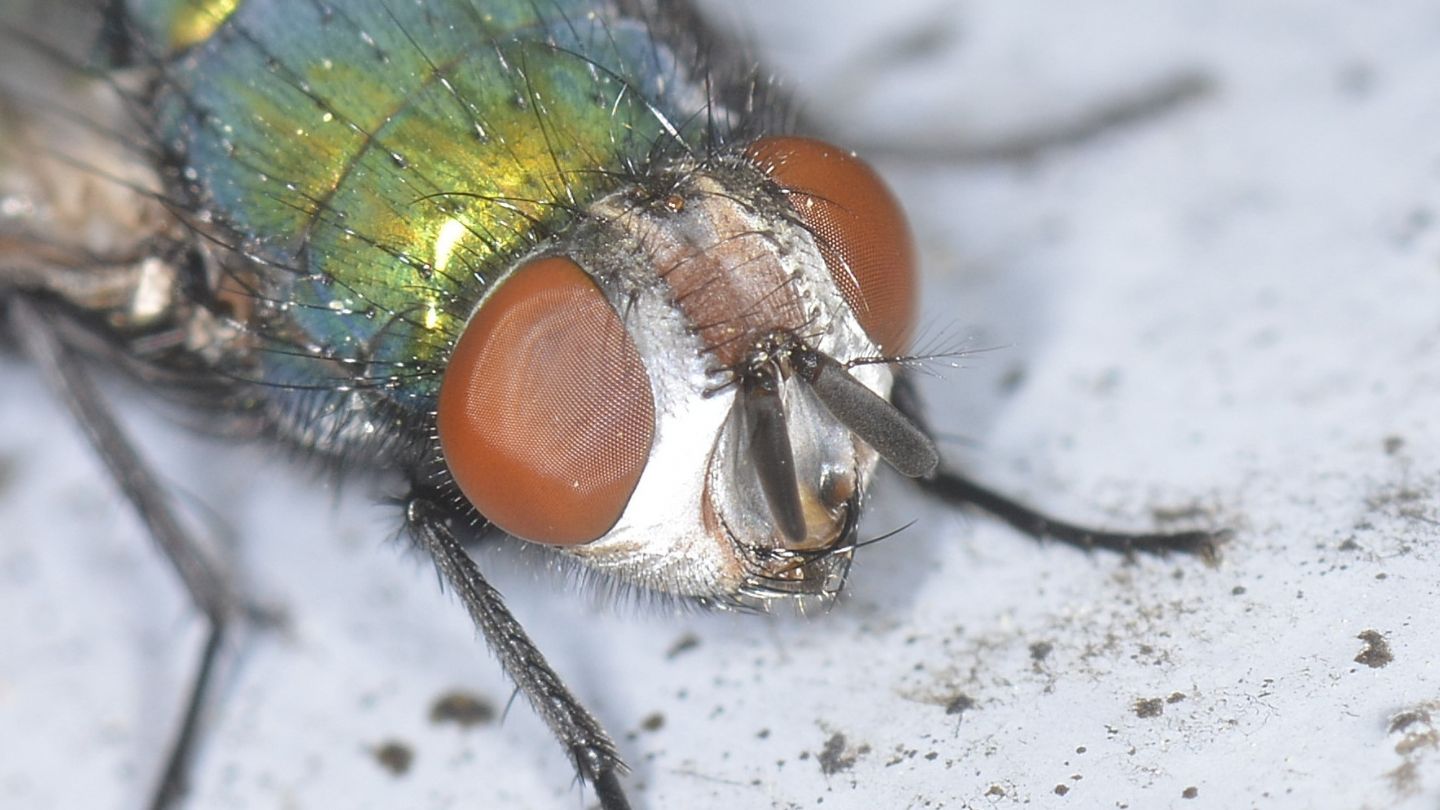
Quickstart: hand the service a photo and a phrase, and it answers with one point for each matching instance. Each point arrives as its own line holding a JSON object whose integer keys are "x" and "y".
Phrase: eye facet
{"x": 546, "y": 414}
{"x": 859, "y": 226}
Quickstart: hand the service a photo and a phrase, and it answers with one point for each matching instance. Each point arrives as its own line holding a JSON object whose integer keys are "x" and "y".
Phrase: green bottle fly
{"x": 560, "y": 265}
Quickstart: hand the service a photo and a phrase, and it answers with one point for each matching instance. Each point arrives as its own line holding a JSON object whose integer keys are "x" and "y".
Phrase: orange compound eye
{"x": 546, "y": 414}
{"x": 859, "y": 226}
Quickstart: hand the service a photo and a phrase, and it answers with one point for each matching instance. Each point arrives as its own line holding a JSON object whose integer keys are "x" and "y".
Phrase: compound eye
{"x": 546, "y": 414}
{"x": 859, "y": 226}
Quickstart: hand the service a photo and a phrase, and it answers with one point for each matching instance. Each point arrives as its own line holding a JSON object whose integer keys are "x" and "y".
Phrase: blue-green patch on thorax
{"x": 388, "y": 160}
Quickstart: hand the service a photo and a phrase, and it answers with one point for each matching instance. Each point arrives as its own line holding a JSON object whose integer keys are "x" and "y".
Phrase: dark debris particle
{"x": 653, "y": 722}
{"x": 1417, "y": 741}
{"x": 1011, "y": 380}
{"x": 1190, "y": 792}
{"x": 1406, "y": 719}
{"x": 1175, "y": 697}
{"x": 1149, "y": 707}
{"x": 394, "y": 756}
{"x": 1238, "y": 590}
{"x": 1062, "y": 789}
{"x": 960, "y": 704}
{"x": 833, "y": 758}
{"x": 683, "y": 644}
{"x": 1041, "y": 650}
{"x": 464, "y": 709}
{"x": 1376, "y": 652}
{"x": 995, "y": 790}
{"x": 1394, "y": 444}
{"x": 8, "y": 466}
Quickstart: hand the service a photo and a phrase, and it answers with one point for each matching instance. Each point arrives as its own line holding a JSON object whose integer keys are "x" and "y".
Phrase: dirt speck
{"x": 464, "y": 709}
{"x": 1149, "y": 707}
{"x": 653, "y": 722}
{"x": 1041, "y": 650}
{"x": 8, "y": 467}
{"x": 1406, "y": 499}
{"x": 1011, "y": 380}
{"x": 1190, "y": 792}
{"x": 682, "y": 645}
{"x": 836, "y": 756}
{"x": 394, "y": 756}
{"x": 1175, "y": 697}
{"x": 1403, "y": 720}
{"x": 1421, "y": 741}
{"x": 1417, "y": 744}
{"x": 960, "y": 704}
{"x": 1061, "y": 790}
{"x": 1393, "y": 444}
{"x": 1376, "y": 652}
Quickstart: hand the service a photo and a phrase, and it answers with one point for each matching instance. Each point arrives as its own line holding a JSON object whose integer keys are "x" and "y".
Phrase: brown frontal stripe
{"x": 725, "y": 277}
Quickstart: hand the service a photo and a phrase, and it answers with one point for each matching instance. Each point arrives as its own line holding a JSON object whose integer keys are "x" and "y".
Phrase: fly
{"x": 566, "y": 267}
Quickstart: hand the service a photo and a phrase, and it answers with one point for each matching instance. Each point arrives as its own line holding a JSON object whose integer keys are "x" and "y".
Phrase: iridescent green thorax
{"x": 170, "y": 26}
{"x": 386, "y": 161}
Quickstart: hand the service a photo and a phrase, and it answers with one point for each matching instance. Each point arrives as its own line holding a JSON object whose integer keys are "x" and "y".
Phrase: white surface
{"x": 1232, "y": 308}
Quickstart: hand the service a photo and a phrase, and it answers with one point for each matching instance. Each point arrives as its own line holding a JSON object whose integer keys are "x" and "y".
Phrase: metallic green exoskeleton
{"x": 380, "y": 164}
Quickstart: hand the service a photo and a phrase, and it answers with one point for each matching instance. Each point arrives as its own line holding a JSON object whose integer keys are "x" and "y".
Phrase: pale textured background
{"x": 1232, "y": 311}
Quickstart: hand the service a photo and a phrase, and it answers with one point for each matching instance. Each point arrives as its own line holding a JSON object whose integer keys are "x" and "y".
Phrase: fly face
{"x": 707, "y": 372}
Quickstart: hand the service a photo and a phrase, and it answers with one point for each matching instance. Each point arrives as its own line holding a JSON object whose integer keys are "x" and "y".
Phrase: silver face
{"x": 700, "y": 523}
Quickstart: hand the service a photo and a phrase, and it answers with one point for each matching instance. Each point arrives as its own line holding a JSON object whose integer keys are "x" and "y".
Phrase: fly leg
{"x": 205, "y": 583}
{"x": 431, "y": 522}
{"x": 872, "y": 69}
{"x": 1140, "y": 106}
{"x": 954, "y": 488}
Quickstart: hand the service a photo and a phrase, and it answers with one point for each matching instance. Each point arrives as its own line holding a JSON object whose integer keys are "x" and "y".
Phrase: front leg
{"x": 955, "y": 488}
{"x": 431, "y": 522}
